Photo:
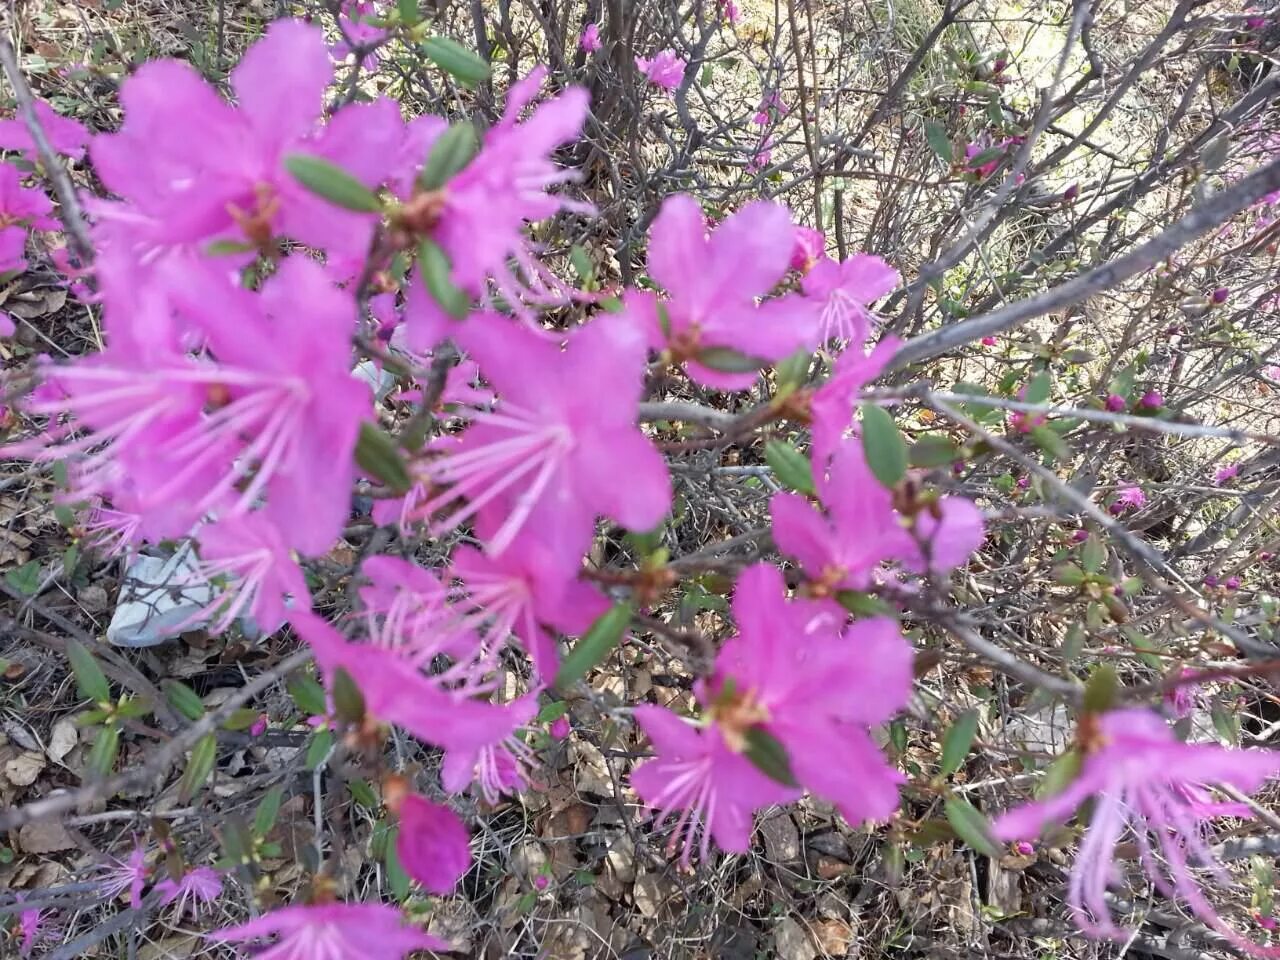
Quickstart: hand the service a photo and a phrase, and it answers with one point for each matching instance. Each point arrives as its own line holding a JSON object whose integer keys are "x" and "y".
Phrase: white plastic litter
{"x": 380, "y": 381}
{"x": 159, "y": 598}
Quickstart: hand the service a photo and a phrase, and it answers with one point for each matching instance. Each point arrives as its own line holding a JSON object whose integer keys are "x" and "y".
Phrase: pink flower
{"x": 65, "y": 135}
{"x": 559, "y": 728}
{"x": 1129, "y": 497}
{"x": 334, "y": 931}
{"x": 1183, "y": 698}
{"x": 810, "y": 245}
{"x": 479, "y": 216}
{"x": 199, "y": 886}
{"x": 1146, "y": 783}
{"x": 1151, "y": 400}
{"x": 33, "y": 929}
{"x": 433, "y": 844}
{"x": 263, "y": 579}
{"x": 1223, "y": 474}
{"x": 989, "y": 341}
{"x": 760, "y": 159}
{"x": 1115, "y": 403}
{"x": 358, "y": 28}
{"x": 192, "y": 168}
{"x": 831, "y": 405}
{"x": 713, "y": 283}
{"x": 844, "y": 289}
{"x": 276, "y": 413}
{"x": 710, "y": 789}
{"x": 665, "y": 70}
{"x": 119, "y": 876}
{"x": 547, "y": 458}
{"x": 846, "y": 548}
{"x": 590, "y": 39}
{"x": 520, "y": 593}
{"x": 794, "y": 674}
{"x": 730, "y": 10}
{"x": 7, "y": 328}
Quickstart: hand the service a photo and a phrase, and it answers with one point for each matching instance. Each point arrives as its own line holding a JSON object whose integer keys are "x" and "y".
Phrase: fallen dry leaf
{"x": 23, "y": 769}
{"x": 44, "y": 836}
{"x": 64, "y": 736}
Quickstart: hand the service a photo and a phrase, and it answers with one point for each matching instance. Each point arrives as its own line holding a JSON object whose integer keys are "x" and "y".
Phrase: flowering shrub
{"x": 319, "y": 314}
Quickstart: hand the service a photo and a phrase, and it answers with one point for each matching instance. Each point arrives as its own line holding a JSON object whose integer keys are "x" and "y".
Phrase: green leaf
{"x": 596, "y": 644}
{"x": 363, "y": 794}
{"x": 348, "y": 701}
{"x": 1059, "y": 774}
{"x": 70, "y": 559}
{"x": 241, "y": 719}
{"x": 451, "y": 152}
{"x": 1051, "y": 443}
{"x": 932, "y": 451}
{"x": 1093, "y": 554}
{"x": 1101, "y": 690}
{"x": 885, "y": 449}
{"x": 183, "y": 699}
{"x": 105, "y": 749}
{"x": 1039, "y": 389}
{"x": 203, "y": 755}
{"x": 331, "y": 182}
{"x": 25, "y": 579}
{"x": 581, "y": 263}
{"x": 90, "y": 679}
{"x": 408, "y": 11}
{"x": 971, "y": 826}
{"x": 863, "y": 604}
{"x": 727, "y": 360}
{"x": 792, "y": 370}
{"x": 552, "y": 711}
{"x": 958, "y": 740}
{"x": 378, "y": 456}
{"x": 307, "y": 695}
{"x": 790, "y": 466}
{"x": 939, "y": 142}
{"x": 769, "y": 756}
{"x": 318, "y": 749}
{"x": 396, "y": 875}
{"x": 467, "y": 67}
{"x": 264, "y": 818}
{"x": 433, "y": 264}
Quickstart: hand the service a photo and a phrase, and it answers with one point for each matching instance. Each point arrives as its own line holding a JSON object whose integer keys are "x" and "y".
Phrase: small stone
{"x": 781, "y": 838}
{"x": 791, "y": 941}
{"x": 93, "y": 598}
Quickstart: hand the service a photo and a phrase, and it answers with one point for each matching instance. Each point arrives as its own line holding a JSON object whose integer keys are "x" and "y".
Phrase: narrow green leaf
{"x": 581, "y": 263}
{"x": 467, "y": 67}
{"x": 348, "y": 701}
{"x": 932, "y": 451}
{"x": 264, "y": 818}
{"x": 552, "y": 712}
{"x": 1039, "y": 389}
{"x": 863, "y": 604}
{"x": 958, "y": 740}
{"x": 1059, "y": 774}
{"x": 433, "y": 264}
{"x": 1101, "y": 690}
{"x": 451, "y": 152}
{"x": 408, "y": 11}
{"x": 939, "y": 142}
{"x": 377, "y": 456}
{"x": 1093, "y": 554}
{"x": 241, "y": 719}
{"x": 318, "y": 749}
{"x": 396, "y": 875}
{"x": 727, "y": 360}
{"x": 102, "y": 758}
{"x": 199, "y": 766}
{"x": 596, "y": 644}
{"x": 363, "y": 794}
{"x": 792, "y": 371}
{"x": 885, "y": 449}
{"x": 790, "y": 466}
{"x": 1051, "y": 443}
{"x": 183, "y": 699}
{"x": 90, "y": 679}
{"x": 769, "y": 756}
{"x": 971, "y": 826}
{"x": 307, "y": 694}
{"x": 331, "y": 182}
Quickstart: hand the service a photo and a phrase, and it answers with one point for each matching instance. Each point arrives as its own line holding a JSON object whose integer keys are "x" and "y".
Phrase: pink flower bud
{"x": 1152, "y": 400}
{"x": 560, "y": 728}
{"x": 999, "y": 65}
{"x": 1071, "y": 193}
{"x": 1080, "y": 536}
{"x": 259, "y": 726}
{"x": 1210, "y": 581}
{"x": 988, "y": 341}
{"x": 1115, "y": 403}
{"x": 1232, "y": 583}
{"x": 1220, "y": 295}
{"x": 1024, "y": 848}
{"x": 541, "y": 881}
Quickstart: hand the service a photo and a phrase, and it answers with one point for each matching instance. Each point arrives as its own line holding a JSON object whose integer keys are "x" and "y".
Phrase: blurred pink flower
{"x": 128, "y": 875}
{"x": 1115, "y": 403}
{"x": 810, "y": 245}
{"x": 665, "y": 69}
{"x": 433, "y": 844}
{"x": 1129, "y": 497}
{"x": 1223, "y": 474}
{"x": 65, "y": 135}
{"x": 263, "y": 581}
{"x": 199, "y": 886}
{"x": 590, "y": 39}
{"x": 334, "y": 931}
{"x": 1146, "y": 783}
